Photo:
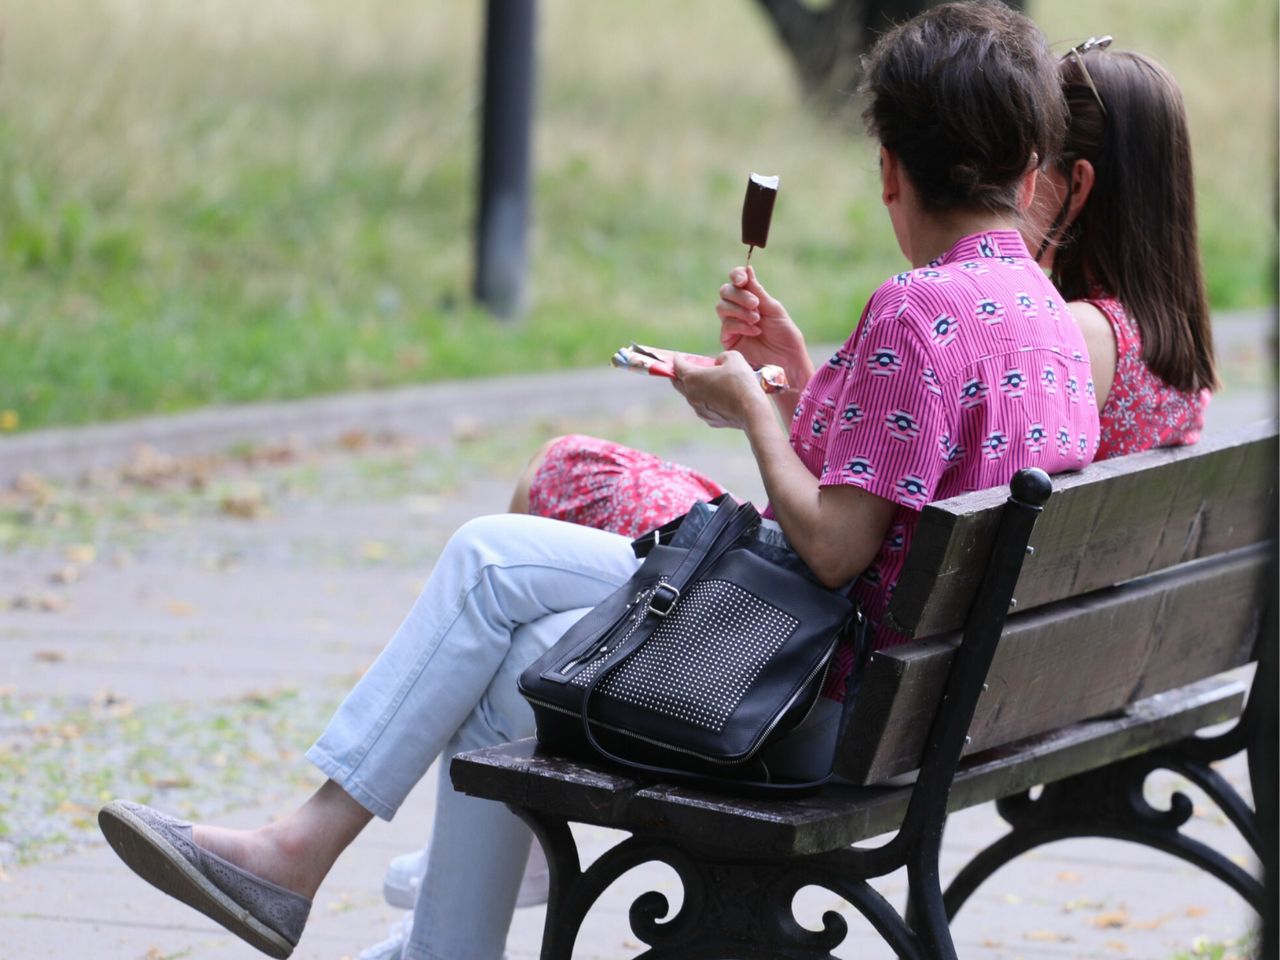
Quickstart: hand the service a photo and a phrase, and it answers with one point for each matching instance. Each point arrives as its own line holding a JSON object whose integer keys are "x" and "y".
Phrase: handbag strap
{"x": 725, "y": 528}
{"x": 643, "y": 545}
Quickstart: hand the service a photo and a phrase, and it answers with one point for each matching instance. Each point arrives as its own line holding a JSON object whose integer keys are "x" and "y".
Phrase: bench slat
{"x": 1154, "y": 510}
{"x": 1077, "y": 658}
{"x": 838, "y": 816}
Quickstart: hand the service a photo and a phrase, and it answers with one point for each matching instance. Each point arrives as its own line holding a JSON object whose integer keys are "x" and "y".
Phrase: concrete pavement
{"x": 176, "y": 624}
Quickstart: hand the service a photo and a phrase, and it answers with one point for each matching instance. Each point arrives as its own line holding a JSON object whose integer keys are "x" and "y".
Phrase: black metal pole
{"x": 504, "y": 155}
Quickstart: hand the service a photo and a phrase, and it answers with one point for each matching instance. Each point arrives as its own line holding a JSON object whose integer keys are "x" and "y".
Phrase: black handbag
{"x": 715, "y": 648}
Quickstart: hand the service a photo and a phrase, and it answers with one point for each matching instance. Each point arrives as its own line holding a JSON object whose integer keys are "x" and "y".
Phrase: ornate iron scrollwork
{"x": 1111, "y": 802}
{"x": 732, "y": 908}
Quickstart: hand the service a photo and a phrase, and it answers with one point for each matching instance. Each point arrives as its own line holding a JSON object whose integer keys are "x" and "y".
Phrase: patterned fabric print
{"x": 1142, "y": 411}
{"x": 958, "y": 375}
{"x": 608, "y": 486}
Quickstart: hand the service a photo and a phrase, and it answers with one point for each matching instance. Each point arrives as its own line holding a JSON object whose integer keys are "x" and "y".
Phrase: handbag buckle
{"x": 663, "y": 600}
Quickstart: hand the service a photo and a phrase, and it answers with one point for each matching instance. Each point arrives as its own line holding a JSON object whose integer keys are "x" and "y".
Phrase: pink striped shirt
{"x": 958, "y": 375}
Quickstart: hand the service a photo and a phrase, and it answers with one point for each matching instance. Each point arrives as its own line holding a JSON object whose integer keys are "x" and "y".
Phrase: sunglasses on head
{"x": 1076, "y": 52}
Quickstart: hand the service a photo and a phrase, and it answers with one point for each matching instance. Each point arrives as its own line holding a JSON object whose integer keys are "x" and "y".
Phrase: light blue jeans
{"x": 505, "y": 589}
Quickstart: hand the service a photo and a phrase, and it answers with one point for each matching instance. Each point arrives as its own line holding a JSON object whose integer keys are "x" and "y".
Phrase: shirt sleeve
{"x": 892, "y": 435}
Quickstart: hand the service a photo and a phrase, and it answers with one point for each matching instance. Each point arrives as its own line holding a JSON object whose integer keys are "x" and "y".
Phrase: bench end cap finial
{"x": 1031, "y": 486}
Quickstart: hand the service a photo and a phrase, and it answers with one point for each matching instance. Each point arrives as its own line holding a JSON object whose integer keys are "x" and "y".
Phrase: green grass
{"x": 212, "y": 203}
{"x": 71, "y": 756}
{"x": 1244, "y": 948}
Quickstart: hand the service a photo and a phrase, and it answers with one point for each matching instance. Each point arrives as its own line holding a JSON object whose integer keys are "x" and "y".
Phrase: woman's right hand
{"x": 758, "y": 326}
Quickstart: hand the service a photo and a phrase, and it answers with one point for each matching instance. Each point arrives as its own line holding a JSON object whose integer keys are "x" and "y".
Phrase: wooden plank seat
{"x": 521, "y": 773}
{"x": 1141, "y": 581}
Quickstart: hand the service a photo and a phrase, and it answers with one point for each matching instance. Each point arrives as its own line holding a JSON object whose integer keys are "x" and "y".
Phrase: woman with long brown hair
{"x": 1116, "y": 218}
{"x": 1113, "y": 221}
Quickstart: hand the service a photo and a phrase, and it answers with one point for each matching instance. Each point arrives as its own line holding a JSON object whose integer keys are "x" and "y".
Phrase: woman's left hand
{"x": 726, "y": 395}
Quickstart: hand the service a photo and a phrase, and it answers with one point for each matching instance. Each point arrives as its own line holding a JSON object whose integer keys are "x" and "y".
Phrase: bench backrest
{"x": 1148, "y": 572}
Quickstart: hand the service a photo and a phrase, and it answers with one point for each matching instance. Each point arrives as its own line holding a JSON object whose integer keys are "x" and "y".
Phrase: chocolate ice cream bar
{"x": 757, "y": 210}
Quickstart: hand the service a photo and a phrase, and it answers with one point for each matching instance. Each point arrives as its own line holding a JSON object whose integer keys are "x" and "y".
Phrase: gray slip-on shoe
{"x": 160, "y": 850}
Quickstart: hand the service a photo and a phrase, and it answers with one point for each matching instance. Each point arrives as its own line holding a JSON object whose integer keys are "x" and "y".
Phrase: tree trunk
{"x": 826, "y": 41}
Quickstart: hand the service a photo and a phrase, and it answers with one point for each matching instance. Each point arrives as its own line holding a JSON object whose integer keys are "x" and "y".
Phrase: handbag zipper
{"x": 583, "y": 660}
{"x": 632, "y": 612}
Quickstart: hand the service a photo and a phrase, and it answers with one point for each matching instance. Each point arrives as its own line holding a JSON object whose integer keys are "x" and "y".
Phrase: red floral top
{"x": 1142, "y": 411}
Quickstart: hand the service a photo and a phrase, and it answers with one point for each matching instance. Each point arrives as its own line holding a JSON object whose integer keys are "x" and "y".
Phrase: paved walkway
{"x": 176, "y": 623}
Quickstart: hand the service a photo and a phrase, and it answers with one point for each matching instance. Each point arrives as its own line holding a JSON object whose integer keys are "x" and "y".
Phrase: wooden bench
{"x": 1077, "y": 647}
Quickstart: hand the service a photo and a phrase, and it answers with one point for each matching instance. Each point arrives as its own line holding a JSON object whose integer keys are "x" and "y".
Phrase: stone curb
{"x": 433, "y": 411}
{"x": 429, "y": 411}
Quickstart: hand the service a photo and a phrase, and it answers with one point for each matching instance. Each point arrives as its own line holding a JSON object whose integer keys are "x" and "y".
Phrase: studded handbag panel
{"x": 729, "y": 633}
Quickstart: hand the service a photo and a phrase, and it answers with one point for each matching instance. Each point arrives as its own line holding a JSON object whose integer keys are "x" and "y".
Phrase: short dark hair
{"x": 1135, "y": 237}
{"x": 968, "y": 97}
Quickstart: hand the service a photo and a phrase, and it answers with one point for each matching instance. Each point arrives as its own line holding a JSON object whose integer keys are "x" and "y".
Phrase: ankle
{"x": 263, "y": 853}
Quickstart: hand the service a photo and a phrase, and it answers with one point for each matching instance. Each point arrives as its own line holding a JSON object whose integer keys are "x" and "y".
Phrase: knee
{"x": 480, "y": 539}
{"x": 520, "y": 495}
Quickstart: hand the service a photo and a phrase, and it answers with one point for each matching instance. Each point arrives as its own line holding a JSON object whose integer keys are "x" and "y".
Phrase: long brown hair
{"x": 1135, "y": 237}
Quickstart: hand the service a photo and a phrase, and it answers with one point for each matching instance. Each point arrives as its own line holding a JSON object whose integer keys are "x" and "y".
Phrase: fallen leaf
{"x": 1153, "y": 924}
{"x": 1194, "y": 912}
{"x": 1047, "y": 936}
{"x": 9, "y": 420}
{"x": 247, "y": 502}
{"x": 52, "y": 603}
{"x": 373, "y": 550}
{"x": 468, "y": 430}
{"x": 354, "y": 440}
{"x": 991, "y": 944}
{"x": 37, "y": 601}
{"x": 80, "y": 553}
{"x": 33, "y": 485}
{"x": 50, "y": 656}
{"x": 68, "y": 574}
{"x": 179, "y": 608}
{"x": 155, "y": 953}
{"x": 169, "y": 783}
{"x": 1117, "y": 946}
{"x": 1068, "y": 876}
{"x": 342, "y": 904}
{"x": 1112, "y": 919}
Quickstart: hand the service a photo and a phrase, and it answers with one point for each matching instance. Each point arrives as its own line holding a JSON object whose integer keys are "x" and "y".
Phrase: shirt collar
{"x": 1002, "y": 244}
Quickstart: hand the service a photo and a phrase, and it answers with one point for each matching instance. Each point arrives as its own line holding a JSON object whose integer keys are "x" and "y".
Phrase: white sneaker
{"x": 536, "y": 883}
{"x": 402, "y": 879}
{"x": 404, "y": 876}
{"x": 392, "y": 947}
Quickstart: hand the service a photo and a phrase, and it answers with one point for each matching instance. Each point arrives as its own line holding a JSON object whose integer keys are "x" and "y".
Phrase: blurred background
{"x": 235, "y": 201}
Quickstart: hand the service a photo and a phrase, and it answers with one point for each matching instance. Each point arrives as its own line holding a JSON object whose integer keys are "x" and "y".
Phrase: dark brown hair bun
{"x": 968, "y": 97}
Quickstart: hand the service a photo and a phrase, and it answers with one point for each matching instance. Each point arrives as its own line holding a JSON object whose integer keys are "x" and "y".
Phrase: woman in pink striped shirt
{"x": 964, "y": 368}
{"x": 1114, "y": 221}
